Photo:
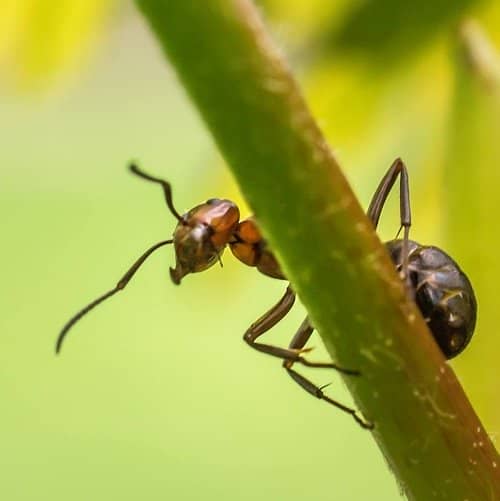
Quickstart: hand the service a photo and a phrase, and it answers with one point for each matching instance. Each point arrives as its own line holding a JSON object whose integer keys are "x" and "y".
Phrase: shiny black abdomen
{"x": 442, "y": 292}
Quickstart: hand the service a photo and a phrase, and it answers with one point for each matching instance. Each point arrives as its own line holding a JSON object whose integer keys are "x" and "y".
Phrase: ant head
{"x": 199, "y": 240}
{"x": 201, "y": 236}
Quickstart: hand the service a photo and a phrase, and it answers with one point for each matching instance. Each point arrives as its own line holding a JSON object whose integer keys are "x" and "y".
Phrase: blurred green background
{"x": 155, "y": 395}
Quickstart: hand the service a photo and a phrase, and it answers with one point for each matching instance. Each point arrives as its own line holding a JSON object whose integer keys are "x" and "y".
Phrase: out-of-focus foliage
{"x": 472, "y": 178}
{"x": 39, "y": 38}
{"x": 383, "y": 32}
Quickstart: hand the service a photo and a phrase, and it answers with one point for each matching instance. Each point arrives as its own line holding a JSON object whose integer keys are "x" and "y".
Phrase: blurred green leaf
{"x": 472, "y": 190}
{"x": 391, "y": 30}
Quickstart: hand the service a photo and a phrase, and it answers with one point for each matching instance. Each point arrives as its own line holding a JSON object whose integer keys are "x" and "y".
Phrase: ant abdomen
{"x": 443, "y": 294}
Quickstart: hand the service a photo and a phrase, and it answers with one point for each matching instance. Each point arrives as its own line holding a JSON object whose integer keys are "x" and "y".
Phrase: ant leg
{"x": 384, "y": 188}
{"x": 398, "y": 168}
{"x": 167, "y": 189}
{"x": 299, "y": 340}
{"x": 267, "y": 322}
{"x": 119, "y": 286}
{"x": 318, "y": 393}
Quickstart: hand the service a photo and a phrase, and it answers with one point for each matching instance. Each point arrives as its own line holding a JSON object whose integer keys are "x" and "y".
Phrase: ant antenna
{"x": 167, "y": 189}
{"x": 119, "y": 286}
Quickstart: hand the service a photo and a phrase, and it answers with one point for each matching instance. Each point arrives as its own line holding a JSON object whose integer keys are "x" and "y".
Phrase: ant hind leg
{"x": 397, "y": 169}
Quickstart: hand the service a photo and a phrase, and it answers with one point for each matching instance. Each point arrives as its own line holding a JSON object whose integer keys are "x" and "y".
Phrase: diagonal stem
{"x": 425, "y": 426}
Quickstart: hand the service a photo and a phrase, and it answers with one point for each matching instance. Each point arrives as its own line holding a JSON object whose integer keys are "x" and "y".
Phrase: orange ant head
{"x": 201, "y": 236}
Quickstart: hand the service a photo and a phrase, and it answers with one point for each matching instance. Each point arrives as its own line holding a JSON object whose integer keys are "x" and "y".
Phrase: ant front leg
{"x": 298, "y": 342}
{"x": 268, "y": 321}
{"x": 398, "y": 168}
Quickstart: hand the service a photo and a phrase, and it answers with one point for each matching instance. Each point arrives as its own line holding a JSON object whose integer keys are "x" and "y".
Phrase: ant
{"x": 435, "y": 282}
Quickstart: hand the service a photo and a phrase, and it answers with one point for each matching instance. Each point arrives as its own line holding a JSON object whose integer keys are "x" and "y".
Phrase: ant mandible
{"x": 440, "y": 289}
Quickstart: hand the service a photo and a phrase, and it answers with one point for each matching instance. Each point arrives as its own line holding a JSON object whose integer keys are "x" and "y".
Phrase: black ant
{"x": 441, "y": 290}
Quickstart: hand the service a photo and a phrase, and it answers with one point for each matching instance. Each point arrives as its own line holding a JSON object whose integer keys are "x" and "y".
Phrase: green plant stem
{"x": 425, "y": 426}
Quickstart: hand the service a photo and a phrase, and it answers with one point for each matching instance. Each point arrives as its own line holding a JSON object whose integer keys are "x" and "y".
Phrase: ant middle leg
{"x": 298, "y": 342}
{"x": 317, "y": 392}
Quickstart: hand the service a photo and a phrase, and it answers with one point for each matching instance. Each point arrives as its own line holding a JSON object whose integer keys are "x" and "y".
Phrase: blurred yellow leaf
{"x": 489, "y": 17}
{"x": 472, "y": 190}
{"x": 39, "y": 38}
{"x": 389, "y": 31}
{"x": 305, "y": 18}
